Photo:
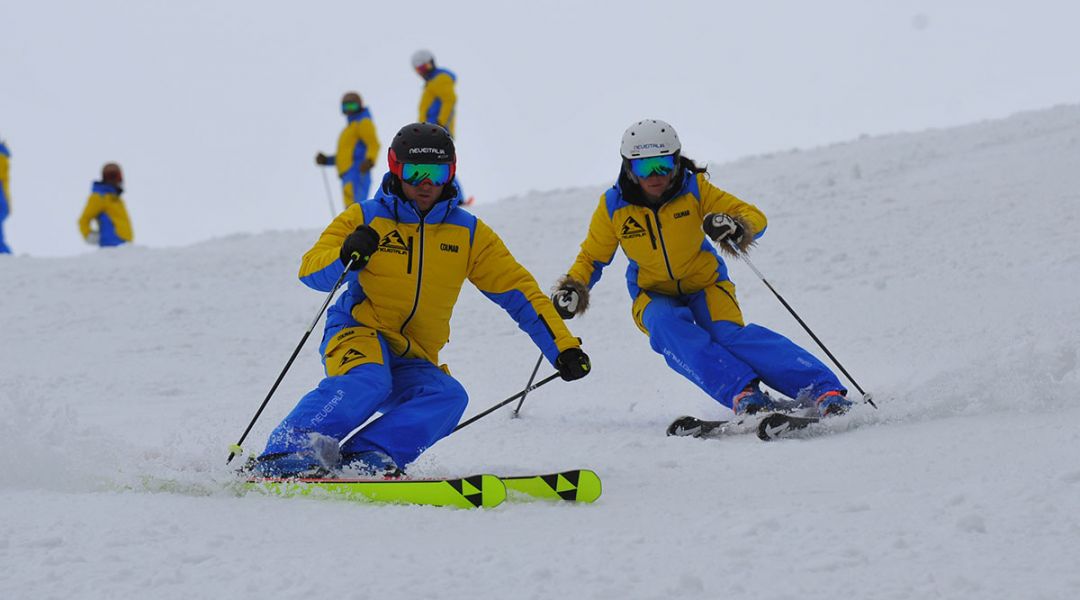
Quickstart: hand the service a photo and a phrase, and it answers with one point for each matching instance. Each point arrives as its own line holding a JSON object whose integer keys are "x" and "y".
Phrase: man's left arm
{"x": 495, "y": 272}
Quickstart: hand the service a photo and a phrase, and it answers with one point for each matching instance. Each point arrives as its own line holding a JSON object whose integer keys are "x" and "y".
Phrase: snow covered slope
{"x": 942, "y": 268}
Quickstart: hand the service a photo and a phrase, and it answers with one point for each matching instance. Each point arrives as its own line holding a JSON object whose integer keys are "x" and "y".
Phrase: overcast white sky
{"x": 216, "y": 109}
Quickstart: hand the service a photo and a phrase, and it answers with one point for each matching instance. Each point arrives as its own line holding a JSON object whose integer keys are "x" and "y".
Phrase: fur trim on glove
{"x": 745, "y": 243}
{"x": 582, "y": 291}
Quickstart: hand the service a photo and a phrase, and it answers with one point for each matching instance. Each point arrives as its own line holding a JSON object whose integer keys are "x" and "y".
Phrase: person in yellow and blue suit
{"x": 357, "y": 150}
{"x": 438, "y": 102}
{"x": 412, "y": 247}
{"x": 105, "y": 208}
{"x": 5, "y": 194}
{"x": 659, "y": 212}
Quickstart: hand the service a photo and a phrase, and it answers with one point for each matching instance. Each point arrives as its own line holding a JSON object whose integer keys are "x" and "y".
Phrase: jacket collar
{"x": 633, "y": 194}
{"x": 100, "y": 187}
{"x": 360, "y": 116}
{"x": 404, "y": 210}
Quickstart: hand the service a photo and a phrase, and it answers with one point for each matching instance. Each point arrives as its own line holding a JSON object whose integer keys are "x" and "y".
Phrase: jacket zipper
{"x": 416, "y": 299}
{"x": 663, "y": 247}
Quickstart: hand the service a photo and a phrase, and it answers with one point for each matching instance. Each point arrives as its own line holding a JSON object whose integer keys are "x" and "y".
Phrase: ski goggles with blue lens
{"x": 654, "y": 165}
{"x": 415, "y": 174}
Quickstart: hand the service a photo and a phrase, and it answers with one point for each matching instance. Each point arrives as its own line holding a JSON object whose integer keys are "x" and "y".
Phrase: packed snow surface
{"x": 942, "y": 268}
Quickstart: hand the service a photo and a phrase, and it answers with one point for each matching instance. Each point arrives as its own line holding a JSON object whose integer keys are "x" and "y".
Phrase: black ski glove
{"x": 572, "y": 364}
{"x": 360, "y": 245}
{"x": 322, "y": 159}
{"x": 720, "y": 228}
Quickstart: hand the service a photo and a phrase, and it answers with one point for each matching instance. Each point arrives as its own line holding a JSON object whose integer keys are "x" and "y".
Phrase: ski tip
{"x": 575, "y": 485}
{"x": 492, "y": 491}
{"x": 589, "y": 487}
{"x": 777, "y": 425}
{"x": 684, "y": 426}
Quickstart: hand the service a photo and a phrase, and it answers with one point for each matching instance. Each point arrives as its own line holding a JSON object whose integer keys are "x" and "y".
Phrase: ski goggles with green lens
{"x": 654, "y": 165}
{"x": 350, "y": 107}
{"x": 415, "y": 174}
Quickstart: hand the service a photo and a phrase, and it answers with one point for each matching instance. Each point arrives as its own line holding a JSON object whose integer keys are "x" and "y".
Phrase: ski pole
{"x": 520, "y": 394}
{"x": 329, "y": 194}
{"x": 235, "y": 448}
{"x": 868, "y": 398}
{"x": 528, "y": 386}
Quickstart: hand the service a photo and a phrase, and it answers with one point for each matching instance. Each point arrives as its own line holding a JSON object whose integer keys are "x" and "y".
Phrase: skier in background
{"x": 659, "y": 211}
{"x": 357, "y": 150}
{"x": 438, "y": 102}
{"x": 414, "y": 248}
{"x": 5, "y": 194}
{"x": 105, "y": 207}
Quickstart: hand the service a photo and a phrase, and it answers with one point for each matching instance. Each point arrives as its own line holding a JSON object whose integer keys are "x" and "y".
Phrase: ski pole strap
{"x": 507, "y": 401}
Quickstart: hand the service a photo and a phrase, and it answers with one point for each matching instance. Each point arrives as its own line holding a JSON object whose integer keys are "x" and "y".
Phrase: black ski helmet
{"x": 422, "y": 143}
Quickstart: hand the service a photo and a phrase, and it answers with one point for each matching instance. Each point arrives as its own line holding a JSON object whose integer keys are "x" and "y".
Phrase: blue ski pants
{"x": 419, "y": 402}
{"x": 3, "y": 215}
{"x": 701, "y": 336}
{"x": 355, "y": 186}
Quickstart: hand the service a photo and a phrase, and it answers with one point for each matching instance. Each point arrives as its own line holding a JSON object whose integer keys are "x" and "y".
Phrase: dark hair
{"x": 688, "y": 163}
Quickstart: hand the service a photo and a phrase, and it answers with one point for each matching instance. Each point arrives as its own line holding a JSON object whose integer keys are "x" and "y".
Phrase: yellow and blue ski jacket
{"x": 5, "y": 195}
{"x": 408, "y": 289}
{"x": 665, "y": 245}
{"x": 357, "y": 142}
{"x": 5, "y": 187}
{"x": 105, "y": 206}
{"x": 439, "y": 99}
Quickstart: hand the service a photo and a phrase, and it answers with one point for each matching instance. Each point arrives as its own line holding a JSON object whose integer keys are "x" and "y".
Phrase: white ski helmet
{"x": 421, "y": 58}
{"x": 649, "y": 137}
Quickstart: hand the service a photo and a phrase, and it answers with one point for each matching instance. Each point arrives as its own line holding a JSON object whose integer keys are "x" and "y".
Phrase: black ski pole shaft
{"x": 234, "y": 448}
{"x": 329, "y": 194}
{"x": 507, "y": 401}
{"x": 532, "y": 378}
{"x": 866, "y": 397}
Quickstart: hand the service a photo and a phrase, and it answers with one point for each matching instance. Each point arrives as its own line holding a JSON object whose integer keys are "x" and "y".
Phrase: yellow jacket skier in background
{"x": 412, "y": 247}
{"x": 5, "y": 194}
{"x": 105, "y": 208}
{"x": 357, "y": 150}
{"x": 439, "y": 99}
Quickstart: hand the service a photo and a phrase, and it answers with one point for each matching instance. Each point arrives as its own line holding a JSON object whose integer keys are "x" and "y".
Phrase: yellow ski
{"x": 578, "y": 485}
{"x": 477, "y": 491}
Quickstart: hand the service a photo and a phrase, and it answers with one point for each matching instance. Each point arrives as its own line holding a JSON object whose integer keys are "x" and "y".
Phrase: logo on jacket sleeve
{"x": 393, "y": 242}
{"x": 631, "y": 229}
{"x": 350, "y": 356}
